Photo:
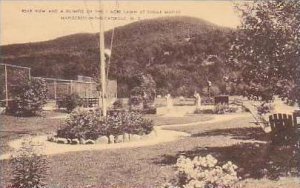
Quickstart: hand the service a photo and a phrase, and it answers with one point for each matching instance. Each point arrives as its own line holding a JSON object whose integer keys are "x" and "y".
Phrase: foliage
{"x": 130, "y": 122}
{"x": 204, "y": 172}
{"x": 118, "y": 104}
{"x": 84, "y": 124}
{"x": 171, "y": 49}
{"x": 150, "y": 110}
{"x": 147, "y": 125}
{"x": 207, "y": 101}
{"x": 29, "y": 168}
{"x": 224, "y": 108}
{"x": 144, "y": 90}
{"x": 266, "y": 49}
{"x": 29, "y": 98}
{"x": 218, "y": 109}
{"x": 265, "y": 108}
{"x": 2, "y": 83}
{"x": 162, "y": 92}
{"x": 136, "y": 103}
{"x": 70, "y": 102}
{"x": 213, "y": 91}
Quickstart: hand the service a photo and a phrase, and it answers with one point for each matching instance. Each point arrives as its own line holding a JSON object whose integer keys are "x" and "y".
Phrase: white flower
{"x": 203, "y": 171}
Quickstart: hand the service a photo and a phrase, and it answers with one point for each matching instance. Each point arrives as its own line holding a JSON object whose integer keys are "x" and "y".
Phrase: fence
{"x": 57, "y": 88}
{"x": 10, "y": 77}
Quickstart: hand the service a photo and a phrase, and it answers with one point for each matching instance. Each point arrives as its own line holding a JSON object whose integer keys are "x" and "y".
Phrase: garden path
{"x": 162, "y": 136}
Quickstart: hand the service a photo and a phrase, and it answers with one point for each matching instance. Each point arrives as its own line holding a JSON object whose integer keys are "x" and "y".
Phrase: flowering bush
{"x": 84, "y": 124}
{"x": 203, "y": 172}
{"x": 130, "y": 122}
{"x": 29, "y": 98}
{"x": 224, "y": 108}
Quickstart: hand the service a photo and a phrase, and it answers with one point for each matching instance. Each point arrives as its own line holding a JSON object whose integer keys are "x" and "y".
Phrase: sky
{"x": 31, "y": 20}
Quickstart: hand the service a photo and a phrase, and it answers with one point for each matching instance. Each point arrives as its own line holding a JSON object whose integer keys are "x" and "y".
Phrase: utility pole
{"x": 6, "y": 86}
{"x": 102, "y": 60}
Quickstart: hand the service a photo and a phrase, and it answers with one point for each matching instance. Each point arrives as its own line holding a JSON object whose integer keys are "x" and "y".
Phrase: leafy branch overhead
{"x": 266, "y": 49}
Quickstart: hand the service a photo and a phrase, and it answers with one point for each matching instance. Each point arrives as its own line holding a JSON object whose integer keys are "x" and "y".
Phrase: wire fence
{"x": 58, "y": 88}
{"x": 10, "y": 77}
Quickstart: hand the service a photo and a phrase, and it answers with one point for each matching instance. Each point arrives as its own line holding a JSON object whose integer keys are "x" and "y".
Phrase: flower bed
{"x": 88, "y": 127}
{"x": 218, "y": 109}
{"x": 203, "y": 172}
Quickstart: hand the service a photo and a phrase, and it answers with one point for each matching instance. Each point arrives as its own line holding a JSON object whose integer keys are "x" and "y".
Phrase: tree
{"x": 144, "y": 88}
{"x": 29, "y": 97}
{"x": 266, "y": 49}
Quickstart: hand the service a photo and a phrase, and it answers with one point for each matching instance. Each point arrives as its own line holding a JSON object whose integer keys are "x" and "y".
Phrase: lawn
{"x": 237, "y": 140}
{"x": 15, "y": 127}
{"x": 190, "y": 118}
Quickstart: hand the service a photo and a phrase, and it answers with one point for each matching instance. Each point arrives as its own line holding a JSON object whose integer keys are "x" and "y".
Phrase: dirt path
{"x": 162, "y": 136}
{"x": 51, "y": 148}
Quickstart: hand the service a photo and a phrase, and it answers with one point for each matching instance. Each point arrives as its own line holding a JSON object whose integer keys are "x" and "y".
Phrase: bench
{"x": 283, "y": 128}
{"x": 84, "y": 102}
{"x": 89, "y": 102}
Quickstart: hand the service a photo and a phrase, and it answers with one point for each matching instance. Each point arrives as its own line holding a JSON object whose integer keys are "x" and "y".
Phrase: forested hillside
{"x": 181, "y": 54}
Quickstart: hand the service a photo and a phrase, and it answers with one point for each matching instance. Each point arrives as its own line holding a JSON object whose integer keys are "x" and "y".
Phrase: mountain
{"x": 181, "y": 54}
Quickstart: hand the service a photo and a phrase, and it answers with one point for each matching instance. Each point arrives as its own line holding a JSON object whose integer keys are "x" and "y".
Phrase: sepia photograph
{"x": 149, "y": 94}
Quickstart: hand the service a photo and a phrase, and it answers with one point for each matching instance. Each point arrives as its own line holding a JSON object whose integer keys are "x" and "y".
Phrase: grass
{"x": 15, "y": 127}
{"x": 150, "y": 166}
{"x": 161, "y": 120}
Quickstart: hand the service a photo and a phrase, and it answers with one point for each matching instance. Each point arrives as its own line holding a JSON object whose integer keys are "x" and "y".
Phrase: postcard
{"x": 160, "y": 93}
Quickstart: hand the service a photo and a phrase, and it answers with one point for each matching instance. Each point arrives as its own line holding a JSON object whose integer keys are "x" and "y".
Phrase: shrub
{"x": 203, "y": 172}
{"x": 29, "y": 168}
{"x": 150, "y": 110}
{"x": 118, "y": 104}
{"x": 265, "y": 108}
{"x": 136, "y": 103}
{"x": 115, "y": 123}
{"x": 147, "y": 126}
{"x": 70, "y": 102}
{"x": 134, "y": 123}
{"x": 207, "y": 101}
{"x": 29, "y": 98}
{"x": 224, "y": 108}
{"x": 214, "y": 90}
{"x": 82, "y": 124}
{"x": 89, "y": 125}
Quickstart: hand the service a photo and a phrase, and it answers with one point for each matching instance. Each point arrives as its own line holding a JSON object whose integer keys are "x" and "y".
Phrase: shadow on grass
{"x": 254, "y": 160}
{"x": 249, "y": 133}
